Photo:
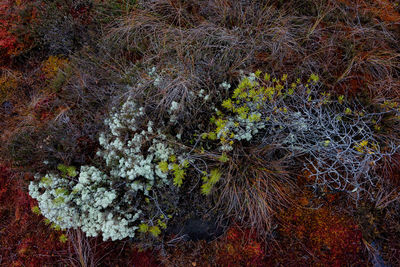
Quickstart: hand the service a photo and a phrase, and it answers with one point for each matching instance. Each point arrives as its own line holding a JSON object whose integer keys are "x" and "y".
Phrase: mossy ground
{"x": 65, "y": 64}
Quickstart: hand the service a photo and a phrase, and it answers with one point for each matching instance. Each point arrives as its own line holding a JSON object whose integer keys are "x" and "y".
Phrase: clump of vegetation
{"x": 133, "y": 177}
{"x": 8, "y": 83}
{"x": 285, "y": 125}
{"x": 337, "y": 137}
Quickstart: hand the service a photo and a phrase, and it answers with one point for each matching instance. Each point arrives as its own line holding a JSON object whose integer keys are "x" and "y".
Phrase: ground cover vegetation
{"x": 199, "y": 133}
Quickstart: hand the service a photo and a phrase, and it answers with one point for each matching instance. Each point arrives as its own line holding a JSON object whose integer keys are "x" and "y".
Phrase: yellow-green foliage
{"x": 67, "y": 170}
{"x": 155, "y": 231}
{"x": 223, "y": 158}
{"x": 364, "y": 147}
{"x": 143, "y": 228}
{"x": 58, "y": 200}
{"x": 209, "y": 180}
{"x": 36, "y": 210}
{"x": 177, "y": 170}
{"x": 46, "y": 180}
{"x": 163, "y": 165}
{"x": 247, "y": 101}
{"x": 162, "y": 224}
{"x": 63, "y": 238}
{"x": 61, "y": 191}
{"x": 55, "y": 227}
{"x": 179, "y": 174}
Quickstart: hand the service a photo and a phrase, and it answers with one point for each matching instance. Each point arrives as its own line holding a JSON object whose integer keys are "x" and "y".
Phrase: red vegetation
{"x": 314, "y": 232}
{"x": 385, "y": 10}
{"x": 24, "y": 238}
{"x": 124, "y": 254}
{"x": 11, "y": 21}
{"x": 326, "y": 237}
{"x": 240, "y": 247}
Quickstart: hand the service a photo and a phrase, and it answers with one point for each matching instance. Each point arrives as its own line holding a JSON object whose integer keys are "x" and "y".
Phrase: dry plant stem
{"x": 82, "y": 249}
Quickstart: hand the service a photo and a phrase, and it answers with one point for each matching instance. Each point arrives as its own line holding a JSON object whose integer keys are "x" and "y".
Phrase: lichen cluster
{"x": 110, "y": 201}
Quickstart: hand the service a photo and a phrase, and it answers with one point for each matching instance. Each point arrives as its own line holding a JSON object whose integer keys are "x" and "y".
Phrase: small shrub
{"x": 337, "y": 138}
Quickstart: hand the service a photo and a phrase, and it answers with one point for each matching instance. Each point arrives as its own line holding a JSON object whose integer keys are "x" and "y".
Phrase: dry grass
{"x": 255, "y": 188}
{"x": 81, "y": 250}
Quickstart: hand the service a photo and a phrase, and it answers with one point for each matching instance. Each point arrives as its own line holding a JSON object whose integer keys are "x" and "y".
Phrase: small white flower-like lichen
{"x": 174, "y": 106}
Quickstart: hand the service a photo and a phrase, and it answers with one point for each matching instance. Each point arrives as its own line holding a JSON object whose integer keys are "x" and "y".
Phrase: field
{"x": 199, "y": 133}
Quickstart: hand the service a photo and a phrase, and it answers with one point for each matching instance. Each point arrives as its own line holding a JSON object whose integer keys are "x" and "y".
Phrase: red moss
{"x": 24, "y": 240}
{"x": 121, "y": 253}
{"x": 332, "y": 239}
{"x": 314, "y": 233}
{"x": 240, "y": 247}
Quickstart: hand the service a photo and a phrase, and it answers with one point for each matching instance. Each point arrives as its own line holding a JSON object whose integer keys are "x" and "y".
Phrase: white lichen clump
{"x": 108, "y": 203}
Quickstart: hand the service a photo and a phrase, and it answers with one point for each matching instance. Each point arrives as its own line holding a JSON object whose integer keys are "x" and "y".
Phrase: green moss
{"x": 163, "y": 166}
